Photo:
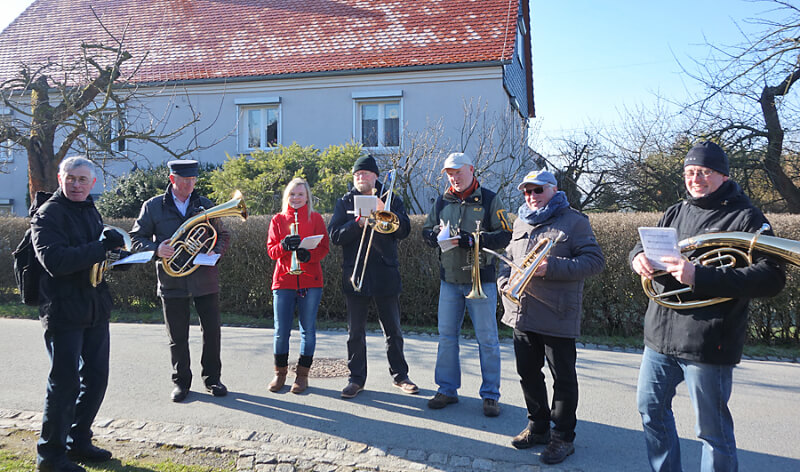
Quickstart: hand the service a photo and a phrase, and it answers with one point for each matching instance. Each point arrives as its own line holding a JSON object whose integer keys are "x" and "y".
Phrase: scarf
{"x": 539, "y": 215}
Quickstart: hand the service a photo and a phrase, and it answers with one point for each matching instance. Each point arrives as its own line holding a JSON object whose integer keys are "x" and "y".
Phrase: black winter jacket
{"x": 714, "y": 334}
{"x": 66, "y": 240}
{"x": 382, "y": 275}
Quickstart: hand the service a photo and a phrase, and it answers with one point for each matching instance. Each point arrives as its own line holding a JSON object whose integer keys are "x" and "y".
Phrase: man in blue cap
{"x": 700, "y": 345}
{"x": 160, "y": 217}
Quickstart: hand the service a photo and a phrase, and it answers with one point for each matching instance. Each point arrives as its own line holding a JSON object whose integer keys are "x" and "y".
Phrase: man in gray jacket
{"x": 157, "y": 222}
{"x": 547, "y": 314}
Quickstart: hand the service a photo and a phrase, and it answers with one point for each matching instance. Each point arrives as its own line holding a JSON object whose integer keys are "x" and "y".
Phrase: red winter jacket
{"x": 279, "y": 229}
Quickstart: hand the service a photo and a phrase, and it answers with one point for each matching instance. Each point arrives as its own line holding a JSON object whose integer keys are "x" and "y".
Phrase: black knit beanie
{"x": 366, "y": 163}
{"x": 708, "y": 154}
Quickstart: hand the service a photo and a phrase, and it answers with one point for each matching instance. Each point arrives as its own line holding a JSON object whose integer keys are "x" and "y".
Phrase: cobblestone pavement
{"x": 268, "y": 452}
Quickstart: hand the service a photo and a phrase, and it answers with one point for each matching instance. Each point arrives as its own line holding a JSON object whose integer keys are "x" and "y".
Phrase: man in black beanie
{"x": 380, "y": 281}
{"x": 700, "y": 345}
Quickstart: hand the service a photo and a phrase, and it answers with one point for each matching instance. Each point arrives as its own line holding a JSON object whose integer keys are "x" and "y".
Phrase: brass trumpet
{"x": 294, "y": 266}
{"x": 728, "y": 252}
{"x": 382, "y": 221}
{"x": 197, "y": 233}
{"x": 521, "y": 275}
{"x": 100, "y": 268}
{"x": 477, "y": 290}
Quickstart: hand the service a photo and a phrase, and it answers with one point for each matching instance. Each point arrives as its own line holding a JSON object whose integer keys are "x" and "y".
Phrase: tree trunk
{"x": 772, "y": 163}
{"x": 42, "y": 165}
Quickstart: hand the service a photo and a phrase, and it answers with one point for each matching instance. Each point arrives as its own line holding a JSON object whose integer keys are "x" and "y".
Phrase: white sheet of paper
{"x": 135, "y": 258}
{"x": 364, "y": 205}
{"x": 657, "y": 243}
{"x": 310, "y": 242}
{"x": 446, "y": 242}
{"x": 206, "y": 260}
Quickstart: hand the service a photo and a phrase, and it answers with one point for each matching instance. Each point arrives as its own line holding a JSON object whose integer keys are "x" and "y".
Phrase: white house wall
{"x": 316, "y": 111}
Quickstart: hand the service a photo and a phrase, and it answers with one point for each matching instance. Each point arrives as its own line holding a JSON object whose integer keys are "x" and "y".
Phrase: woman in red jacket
{"x": 290, "y": 290}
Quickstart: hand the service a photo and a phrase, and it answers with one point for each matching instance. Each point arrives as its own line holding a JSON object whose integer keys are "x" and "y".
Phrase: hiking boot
{"x": 440, "y": 400}
{"x": 490, "y": 407}
{"x": 527, "y": 439}
{"x": 352, "y": 390}
{"x": 556, "y": 451}
{"x": 407, "y": 386}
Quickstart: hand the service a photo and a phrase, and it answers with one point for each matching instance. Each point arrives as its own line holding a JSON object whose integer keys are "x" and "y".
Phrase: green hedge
{"x": 613, "y": 301}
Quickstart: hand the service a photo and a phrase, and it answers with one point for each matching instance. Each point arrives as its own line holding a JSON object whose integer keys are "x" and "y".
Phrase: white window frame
{"x": 6, "y": 207}
{"x": 7, "y": 151}
{"x": 116, "y": 123}
{"x": 380, "y": 98}
{"x": 265, "y": 104}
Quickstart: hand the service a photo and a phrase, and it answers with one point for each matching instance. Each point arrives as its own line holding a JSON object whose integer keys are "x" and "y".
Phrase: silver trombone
{"x": 382, "y": 221}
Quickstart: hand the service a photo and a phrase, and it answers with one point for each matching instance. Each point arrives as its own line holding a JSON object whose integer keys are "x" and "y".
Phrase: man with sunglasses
{"x": 700, "y": 345}
{"x": 460, "y": 209}
{"x": 547, "y": 318}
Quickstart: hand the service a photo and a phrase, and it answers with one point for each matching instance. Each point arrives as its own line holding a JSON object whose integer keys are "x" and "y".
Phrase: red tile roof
{"x": 208, "y": 39}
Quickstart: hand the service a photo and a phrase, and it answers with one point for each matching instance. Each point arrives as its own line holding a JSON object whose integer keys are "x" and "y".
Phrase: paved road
{"x": 609, "y": 438}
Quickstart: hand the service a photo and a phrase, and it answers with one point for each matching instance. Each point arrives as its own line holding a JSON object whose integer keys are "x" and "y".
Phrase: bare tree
{"x": 93, "y": 106}
{"x": 748, "y": 103}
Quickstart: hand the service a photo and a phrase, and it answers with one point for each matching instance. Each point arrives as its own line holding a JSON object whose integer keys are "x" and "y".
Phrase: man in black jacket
{"x": 160, "y": 217}
{"x": 700, "y": 345}
{"x": 66, "y": 232}
{"x": 380, "y": 282}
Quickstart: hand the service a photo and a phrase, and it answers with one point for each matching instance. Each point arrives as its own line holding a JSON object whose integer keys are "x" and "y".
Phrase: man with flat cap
{"x": 381, "y": 281}
{"x": 159, "y": 218}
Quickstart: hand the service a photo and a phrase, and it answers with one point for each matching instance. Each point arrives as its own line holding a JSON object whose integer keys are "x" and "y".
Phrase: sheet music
{"x": 310, "y": 242}
{"x": 364, "y": 205}
{"x": 446, "y": 242}
{"x": 206, "y": 260}
{"x": 135, "y": 258}
{"x": 658, "y": 243}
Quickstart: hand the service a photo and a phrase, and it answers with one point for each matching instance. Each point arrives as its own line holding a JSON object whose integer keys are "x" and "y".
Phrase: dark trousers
{"x": 389, "y": 317}
{"x": 176, "y": 318}
{"x": 76, "y": 386}
{"x": 531, "y": 350}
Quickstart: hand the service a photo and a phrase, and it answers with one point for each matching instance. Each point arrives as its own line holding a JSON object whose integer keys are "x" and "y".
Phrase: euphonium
{"x": 382, "y": 221}
{"x": 99, "y": 268}
{"x": 477, "y": 290}
{"x": 521, "y": 275}
{"x": 197, "y": 233}
{"x": 294, "y": 266}
{"x": 728, "y": 252}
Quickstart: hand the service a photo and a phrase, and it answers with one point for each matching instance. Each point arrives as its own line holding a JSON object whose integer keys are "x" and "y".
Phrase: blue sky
{"x": 592, "y": 58}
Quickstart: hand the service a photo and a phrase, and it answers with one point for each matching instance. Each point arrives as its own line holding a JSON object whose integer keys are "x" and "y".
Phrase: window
{"x": 7, "y": 147}
{"x": 259, "y": 123}
{"x": 104, "y": 134}
{"x": 378, "y": 118}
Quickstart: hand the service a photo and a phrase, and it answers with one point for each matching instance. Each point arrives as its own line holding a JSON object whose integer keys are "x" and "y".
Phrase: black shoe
{"x": 60, "y": 465}
{"x": 527, "y": 439}
{"x": 556, "y": 451}
{"x": 179, "y": 394}
{"x": 217, "y": 389}
{"x": 440, "y": 400}
{"x": 90, "y": 453}
{"x": 491, "y": 408}
{"x": 351, "y": 390}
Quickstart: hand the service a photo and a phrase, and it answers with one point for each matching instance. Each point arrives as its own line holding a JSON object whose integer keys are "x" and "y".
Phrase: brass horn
{"x": 382, "y": 221}
{"x": 729, "y": 249}
{"x": 196, "y": 234}
{"x": 521, "y": 275}
{"x": 100, "y": 268}
{"x": 294, "y": 264}
{"x": 477, "y": 290}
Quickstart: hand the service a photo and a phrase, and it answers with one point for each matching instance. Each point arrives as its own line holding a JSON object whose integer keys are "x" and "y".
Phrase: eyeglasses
{"x": 536, "y": 190}
{"x": 705, "y": 173}
{"x": 82, "y": 180}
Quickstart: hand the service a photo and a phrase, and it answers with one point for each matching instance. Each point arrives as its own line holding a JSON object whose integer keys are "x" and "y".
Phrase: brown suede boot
{"x": 301, "y": 381}
{"x": 280, "y": 378}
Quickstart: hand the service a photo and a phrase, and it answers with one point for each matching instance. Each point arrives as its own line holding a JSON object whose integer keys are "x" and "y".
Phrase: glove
{"x": 303, "y": 255}
{"x": 121, "y": 254}
{"x": 465, "y": 239}
{"x": 431, "y": 238}
{"x": 290, "y": 242}
{"x": 112, "y": 239}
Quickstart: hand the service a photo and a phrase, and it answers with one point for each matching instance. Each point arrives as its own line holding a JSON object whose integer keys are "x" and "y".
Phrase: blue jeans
{"x": 709, "y": 388}
{"x": 483, "y": 312}
{"x": 76, "y": 386}
{"x": 284, "y": 302}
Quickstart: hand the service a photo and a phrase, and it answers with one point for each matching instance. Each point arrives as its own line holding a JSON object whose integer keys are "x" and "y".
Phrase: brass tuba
{"x": 382, "y": 221}
{"x": 477, "y": 289}
{"x": 99, "y": 268}
{"x": 729, "y": 249}
{"x": 521, "y": 275}
{"x": 196, "y": 234}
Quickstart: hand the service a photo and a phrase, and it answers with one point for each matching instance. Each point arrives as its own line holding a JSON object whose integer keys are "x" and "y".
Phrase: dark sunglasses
{"x": 536, "y": 190}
